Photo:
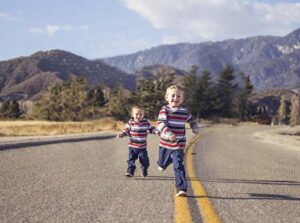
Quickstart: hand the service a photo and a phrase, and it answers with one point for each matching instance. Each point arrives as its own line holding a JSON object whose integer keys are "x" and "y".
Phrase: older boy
{"x": 171, "y": 124}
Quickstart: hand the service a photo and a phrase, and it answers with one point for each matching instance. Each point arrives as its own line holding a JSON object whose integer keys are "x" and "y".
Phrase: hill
{"x": 27, "y": 77}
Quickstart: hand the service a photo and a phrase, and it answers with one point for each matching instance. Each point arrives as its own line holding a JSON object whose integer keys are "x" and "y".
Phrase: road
{"x": 246, "y": 179}
{"x": 82, "y": 180}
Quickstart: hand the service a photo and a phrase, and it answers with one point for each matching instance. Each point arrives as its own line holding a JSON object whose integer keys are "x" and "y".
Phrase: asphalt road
{"x": 82, "y": 180}
{"x": 246, "y": 179}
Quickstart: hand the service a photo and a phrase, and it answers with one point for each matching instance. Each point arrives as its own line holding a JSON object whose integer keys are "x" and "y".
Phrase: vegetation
{"x": 227, "y": 97}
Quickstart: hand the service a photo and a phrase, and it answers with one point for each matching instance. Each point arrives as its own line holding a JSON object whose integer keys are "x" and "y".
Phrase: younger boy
{"x": 137, "y": 129}
{"x": 171, "y": 124}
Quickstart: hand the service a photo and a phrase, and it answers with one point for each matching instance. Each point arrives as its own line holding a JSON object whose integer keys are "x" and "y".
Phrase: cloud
{"x": 198, "y": 20}
{"x": 3, "y": 15}
{"x": 52, "y": 30}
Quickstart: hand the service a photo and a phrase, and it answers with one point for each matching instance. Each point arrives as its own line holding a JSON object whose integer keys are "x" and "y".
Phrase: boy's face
{"x": 137, "y": 114}
{"x": 174, "y": 98}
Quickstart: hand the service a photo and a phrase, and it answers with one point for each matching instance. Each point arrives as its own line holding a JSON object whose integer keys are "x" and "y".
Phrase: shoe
{"x": 181, "y": 193}
{"x": 160, "y": 168}
{"x": 144, "y": 174}
{"x": 128, "y": 175}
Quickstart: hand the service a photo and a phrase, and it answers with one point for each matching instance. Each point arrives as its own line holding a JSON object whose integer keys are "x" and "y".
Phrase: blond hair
{"x": 174, "y": 87}
{"x": 136, "y": 107}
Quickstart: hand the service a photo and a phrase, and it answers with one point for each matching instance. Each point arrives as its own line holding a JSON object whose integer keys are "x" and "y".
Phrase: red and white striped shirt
{"x": 172, "y": 121}
{"x": 137, "y": 132}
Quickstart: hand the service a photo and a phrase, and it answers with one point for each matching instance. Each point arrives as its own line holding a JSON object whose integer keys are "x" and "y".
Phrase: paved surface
{"x": 247, "y": 179}
{"x": 81, "y": 179}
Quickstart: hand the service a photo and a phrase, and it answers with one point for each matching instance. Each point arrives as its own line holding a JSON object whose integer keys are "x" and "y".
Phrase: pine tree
{"x": 244, "y": 97}
{"x": 225, "y": 89}
{"x": 189, "y": 84}
{"x": 15, "y": 111}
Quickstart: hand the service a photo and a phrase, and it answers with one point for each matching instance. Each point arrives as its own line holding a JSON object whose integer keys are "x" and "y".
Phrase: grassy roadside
{"x": 39, "y": 128}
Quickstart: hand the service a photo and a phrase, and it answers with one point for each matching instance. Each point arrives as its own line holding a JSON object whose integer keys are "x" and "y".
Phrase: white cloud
{"x": 3, "y": 15}
{"x": 196, "y": 20}
{"x": 52, "y": 30}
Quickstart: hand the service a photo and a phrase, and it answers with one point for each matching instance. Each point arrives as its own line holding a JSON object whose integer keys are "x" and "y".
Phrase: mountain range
{"x": 271, "y": 62}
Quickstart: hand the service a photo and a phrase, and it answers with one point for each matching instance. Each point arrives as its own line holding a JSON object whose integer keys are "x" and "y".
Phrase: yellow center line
{"x": 182, "y": 211}
{"x": 204, "y": 205}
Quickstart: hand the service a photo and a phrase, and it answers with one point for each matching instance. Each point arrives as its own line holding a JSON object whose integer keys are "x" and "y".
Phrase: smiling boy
{"x": 171, "y": 124}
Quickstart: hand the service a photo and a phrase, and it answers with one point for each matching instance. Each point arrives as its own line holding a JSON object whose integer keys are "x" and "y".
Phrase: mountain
{"x": 27, "y": 77}
{"x": 271, "y": 62}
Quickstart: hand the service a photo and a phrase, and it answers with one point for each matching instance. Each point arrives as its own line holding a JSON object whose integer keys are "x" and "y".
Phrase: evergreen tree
{"x": 244, "y": 97}
{"x": 15, "y": 111}
{"x": 225, "y": 90}
{"x": 205, "y": 95}
{"x": 190, "y": 90}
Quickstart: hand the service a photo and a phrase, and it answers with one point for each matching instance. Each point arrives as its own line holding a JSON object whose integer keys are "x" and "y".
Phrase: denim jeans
{"x": 168, "y": 156}
{"x": 142, "y": 154}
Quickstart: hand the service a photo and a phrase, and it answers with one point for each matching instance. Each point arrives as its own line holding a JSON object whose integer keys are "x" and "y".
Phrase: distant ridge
{"x": 27, "y": 77}
{"x": 271, "y": 62}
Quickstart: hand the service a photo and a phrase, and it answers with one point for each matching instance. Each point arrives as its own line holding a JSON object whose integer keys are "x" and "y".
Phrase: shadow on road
{"x": 239, "y": 181}
{"x": 253, "y": 196}
{"x": 155, "y": 178}
{"x": 20, "y": 145}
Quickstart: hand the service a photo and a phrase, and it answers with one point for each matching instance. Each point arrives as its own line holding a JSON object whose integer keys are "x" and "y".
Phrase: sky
{"x": 104, "y": 28}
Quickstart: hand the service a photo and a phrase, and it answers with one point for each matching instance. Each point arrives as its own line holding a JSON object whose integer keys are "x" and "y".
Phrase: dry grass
{"x": 33, "y": 128}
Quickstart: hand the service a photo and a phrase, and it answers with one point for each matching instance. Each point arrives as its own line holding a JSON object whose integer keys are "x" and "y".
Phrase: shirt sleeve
{"x": 126, "y": 130}
{"x": 192, "y": 122}
{"x": 162, "y": 123}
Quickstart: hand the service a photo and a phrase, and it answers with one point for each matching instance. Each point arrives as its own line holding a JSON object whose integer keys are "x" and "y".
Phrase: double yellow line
{"x": 182, "y": 211}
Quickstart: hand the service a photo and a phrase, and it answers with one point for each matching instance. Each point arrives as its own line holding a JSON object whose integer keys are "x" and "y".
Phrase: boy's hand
{"x": 119, "y": 136}
{"x": 195, "y": 130}
{"x": 156, "y": 132}
{"x": 172, "y": 138}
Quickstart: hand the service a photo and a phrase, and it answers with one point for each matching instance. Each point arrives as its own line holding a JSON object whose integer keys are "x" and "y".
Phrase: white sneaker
{"x": 160, "y": 168}
{"x": 128, "y": 175}
{"x": 181, "y": 193}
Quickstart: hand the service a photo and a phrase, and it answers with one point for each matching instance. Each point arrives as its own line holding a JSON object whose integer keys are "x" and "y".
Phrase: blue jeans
{"x": 142, "y": 154}
{"x": 168, "y": 156}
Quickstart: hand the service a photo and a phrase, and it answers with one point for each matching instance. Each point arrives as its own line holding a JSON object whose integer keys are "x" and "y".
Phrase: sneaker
{"x": 144, "y": 173}
{"x": 128, "y": 175}
{"x": 181, "y": 193}
{"x": 160, "y": 168}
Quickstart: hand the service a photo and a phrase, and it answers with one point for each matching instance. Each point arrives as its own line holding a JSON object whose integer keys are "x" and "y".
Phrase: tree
{"x": 282, "y": 114}
{"x": 295, "y": 110}
{"x": 118, "y": 104}
{"x": 15, "y": 111}
{"x": 189, "y": 84}
{"x": 63, "y": 102}
{"x": 244, "y": 96}
{"x": 5, "y": 109}
{"x": 224, "y": 93}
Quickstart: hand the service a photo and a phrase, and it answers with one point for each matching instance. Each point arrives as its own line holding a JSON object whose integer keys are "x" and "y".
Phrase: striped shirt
{"x": 172, "y": 121}
{"x": 137, "y": 132}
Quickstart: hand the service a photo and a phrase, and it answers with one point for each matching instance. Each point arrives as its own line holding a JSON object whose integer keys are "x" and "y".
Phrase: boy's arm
{"x": 152, "y": 130}
{"x": 162, "y": 123}
{"x": 193, "y": 124}
{"x": 125, "y": 132}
